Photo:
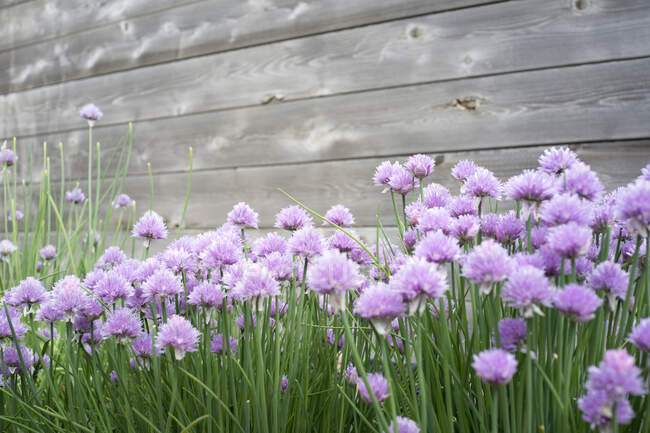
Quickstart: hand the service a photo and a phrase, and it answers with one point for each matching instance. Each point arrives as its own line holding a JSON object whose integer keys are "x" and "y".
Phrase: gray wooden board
{"x": 33, "y": 21}
{"x": 468, "y": 42}
{"x": 321, "y": 185}
{"x": 586, "y": 103}
{"x": 194, "y": 29}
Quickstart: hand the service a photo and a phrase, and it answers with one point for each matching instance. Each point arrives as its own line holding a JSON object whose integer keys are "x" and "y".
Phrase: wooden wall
{"x": 311, "y": 95}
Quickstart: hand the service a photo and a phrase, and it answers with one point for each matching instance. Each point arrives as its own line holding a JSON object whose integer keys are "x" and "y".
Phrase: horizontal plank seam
{"x": 89, "y": 29}
{"x": 15, "y": 4}
{"x": 346, "y": 93}
{"x": 253, "y": 45}
{"x": 144, "y": 175}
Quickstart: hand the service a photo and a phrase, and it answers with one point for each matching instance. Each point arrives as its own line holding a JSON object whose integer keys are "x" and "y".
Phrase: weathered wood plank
{"x": 467, "y": 42}
{"x": 195, "y": 29}
{"x": 7, "y": 3}
{"x": 33, "y": 21}
{"x": 321, "y": 185}
{"x": 585, "y": 103}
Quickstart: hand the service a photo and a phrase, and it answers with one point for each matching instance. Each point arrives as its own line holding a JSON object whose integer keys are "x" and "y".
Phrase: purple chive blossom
{"x": 75, "y": 196}
{"x": 378, "y": 385}
{"x": 162, "y": 284}
{"x": 436, "y": 219}
{"x": 565, "y": 208}
{"x": 510, "y": 228}
{"x": 7, "y": 248}
{"x": 512, "y": 333}
{"x": 179, "y": 334}
{"x": 113, "y": 287}
{"x": 11, "y": 361}
{"x": 293, "y": 218}
{"x": 28, "y": 293}
{"x": 436, "y": 195}
{"x": 645, "y": 173}
{"x": 7, "y": 156}
{"x": 410, "y": 239}
{"x": 633, "y": 207}
{"x": 402, "y": 181}
{"x": 339, "y": 215}
{"x": 383, "y": 173}
{"x": 483, "y": 183}
{"x": 570, "y": 240}
{"x": 610, "y": 278}
{"x": 216, "y": 345}
{"x": 207, "y": 295}
{"x": 49, "y": 312}
{"x": 465, "y": 228}
{"x": 486, "y": 264}
{"x": 19, "y": 215}
{"x": 557, "y": 160}
{"x": 112, "y": 257}
{"x": 220, "y": 253}
{"x": 150, "y": 226}
{"x": 91, "y": 113}
{"x": 351, "y": 375}
{"x": 414, "y": 212}
{"x": 420, "y": 166}
{"x": 7, "y": 321}
{"x": 531, "y": 187}
{"x": 280, "y": 265}
{"x": 581, "y": 180}
{"x": 608, "y": 386}
{"x": 333, "y": 274}
{"x": 462, "y": 205}
{"x": 640, "y": 335}
{"x": 495, "y": 366}
{"x": 268, "y": 244}
{"x": 380, "y": 303}
{"x": 463, "y": 169}
{"x": 69, "y": 297}
{"x": 122, "y": 324}
{"x": 527, "y": 287}
{"x": 92, "y": 310}
{"x": 122, "y": 200}
{"x": 604, "y": 214}
{"x": 48, "y": 252}
{"x": 143, "y": 346}
{"x": 404, "y": 425}
{"x": 256, "y": 282}
{"x": 342, "y": 242}
{"x": 418, "y": 280}
{"x": 438, "y": 248}
{"x": 578, "y": 302}
{"x": 306, "y": 243}
{"x": 179, "y": 260}
{"x": 242, "y": 215}
{"x": 490, "y": 225}
{"x": 284, "y": 384}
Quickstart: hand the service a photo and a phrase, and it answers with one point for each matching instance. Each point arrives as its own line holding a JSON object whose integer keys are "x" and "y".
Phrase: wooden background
{"x": 311, "y": 95}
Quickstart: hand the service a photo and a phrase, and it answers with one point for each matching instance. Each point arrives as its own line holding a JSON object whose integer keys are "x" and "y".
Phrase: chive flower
{"x": 339, "y": 215}
{"x": 150, "y": 226}
{"x": 243, "y": 216}
{"x": 495, "y": 366}
{"x": 578, "y": 302}
{"x": 404, "y": 425}
{"x": 293, "y": 218}
{"x": 640, "y": 335}
{"x": 378, "y": 385}
{"x": 179, "y": 334}
{"x": 122, "y": 324}
{"x": 420, "y": 166}
{"x": 380, "y": 303}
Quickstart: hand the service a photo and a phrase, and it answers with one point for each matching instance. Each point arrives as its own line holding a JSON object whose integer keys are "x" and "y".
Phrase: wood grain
{"x": 469, "y": 42}
{"x": 197, "y": 28}
{"x": 586, "y": 103}
{"x": 321, "y": 185}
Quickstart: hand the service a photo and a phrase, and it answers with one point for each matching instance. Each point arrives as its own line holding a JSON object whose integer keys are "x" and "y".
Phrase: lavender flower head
{"x": 527, "y": 288}
{"x": 420, "y": 166}
{"x": 91, "y": 113}
{"x": 143, "y": 346}
{"x": 7, "y": 248}
{"x": 581, "y": 180}
{"x": 463, "y": 169}
{"x": 306, "y": 243}
{"x": 179, "y": 334}
{"x": 378, "y": 385}
{"x": 418, "y": 280}
{"x": 610, "y": 278}
{"x": 531, "y": 187}
{"x": 75, "y": 196}
{"x": 11, "y": 361}
{"x": 150, "y": 226}
{"x": 414, "y": 212}
{"x": 577, "y": 302}
{"x": 640, "y": 335}
{"x": 222, "y": 252}
{"x": 633, "y": 207}
{"x": 333, "y": 274}
{"x": 483, "y": 183}
{"x": 49, "y": 312}
{"x": 570, "y": 240}
{"x": 48, "y": 252}
{"x": 566, "y": 208}
{"x": 462, "y": 205}
{"x": 284, "y": 384}
{"x": 339, "y": 215}
{"x": 380, "y": 303}
{"x": 113, "y": 287}
{"x": 465, "y": 228}
{"x": 404, "y": 425}
{"x": 122, "y": 324}
{"x": 512, "y": 333}
{"x": 495, "y": 366}
{"x": 122, "y": 200}
{"x": 510, "y": 228}
{"x": 383, "y": 173}
{"x": 435, "y": 195}
{"x": 28, "y": 293}
{"x": 402, "y": 181}
{"x": 243, "y": 215}
{"x": 112, "y": 257}
{"x": 207, "y": 295}
{"x": 162, "y": 284}
{"x": 293, "y": 218}
{"x": 7, "y": 156}
{"x": 438, "y": 248}
{"x": 486, "y": 264}
{"x": 280, "y": 265}
{"x": 256, "y": 282}
{"x": 268, "y": 244}
{"x": 557, "y": 160}
{"x": 68, "y": 297}
{"x": 11, "y": 318}
{"x": 216, "y": 345}
{"x": 435, "y": 219}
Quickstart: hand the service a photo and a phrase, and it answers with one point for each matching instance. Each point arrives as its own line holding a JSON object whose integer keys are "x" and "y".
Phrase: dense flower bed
{"x": 534, "y": 319}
